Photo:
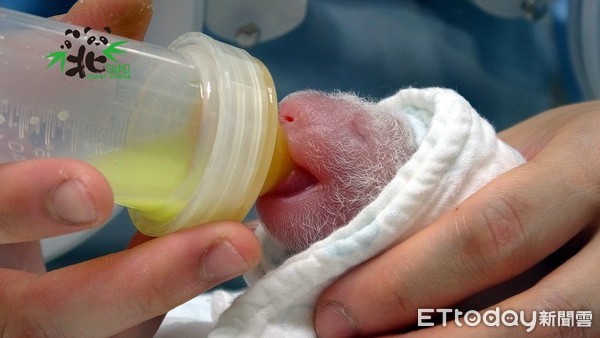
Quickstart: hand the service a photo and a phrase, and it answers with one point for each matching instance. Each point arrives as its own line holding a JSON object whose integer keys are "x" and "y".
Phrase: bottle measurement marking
{"x": 28, "y": 120}
{"x": 27, "y": 133}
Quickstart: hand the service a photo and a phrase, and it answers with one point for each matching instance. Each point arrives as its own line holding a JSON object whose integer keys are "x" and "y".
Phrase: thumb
{"x": 110, "y": 294}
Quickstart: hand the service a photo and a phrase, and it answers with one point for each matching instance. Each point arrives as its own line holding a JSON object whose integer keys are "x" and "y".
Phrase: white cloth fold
{"x": 458, "y": 153}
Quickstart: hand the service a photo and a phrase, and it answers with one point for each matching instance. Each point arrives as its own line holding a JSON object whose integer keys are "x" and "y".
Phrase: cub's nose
{"x": 303, "y": 108}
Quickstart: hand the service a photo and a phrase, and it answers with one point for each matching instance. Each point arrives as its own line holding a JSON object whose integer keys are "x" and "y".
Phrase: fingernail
{"x": 70, "y": 202}
{"x": 333, "y": 321}
{"x": 222, "y": 261}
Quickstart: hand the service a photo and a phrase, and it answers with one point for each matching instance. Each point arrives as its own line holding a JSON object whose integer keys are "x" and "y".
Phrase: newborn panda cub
{"x": 345, "y": 150}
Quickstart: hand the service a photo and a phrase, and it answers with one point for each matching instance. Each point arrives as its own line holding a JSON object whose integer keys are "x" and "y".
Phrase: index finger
{"x": 128, "y": 18}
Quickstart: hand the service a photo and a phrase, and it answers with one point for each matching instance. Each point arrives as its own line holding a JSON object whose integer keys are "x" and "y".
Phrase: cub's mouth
{"x": 299, "y": 181}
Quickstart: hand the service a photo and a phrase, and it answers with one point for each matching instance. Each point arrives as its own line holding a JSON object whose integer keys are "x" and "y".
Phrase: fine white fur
{"x": 354, "y": 181}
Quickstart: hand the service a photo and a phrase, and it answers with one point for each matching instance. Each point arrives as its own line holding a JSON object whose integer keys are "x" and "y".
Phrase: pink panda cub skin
{"x": 345, "y": 150}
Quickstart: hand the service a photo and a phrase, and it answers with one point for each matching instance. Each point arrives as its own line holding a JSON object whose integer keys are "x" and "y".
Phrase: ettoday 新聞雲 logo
{"x": 80, "y": 53}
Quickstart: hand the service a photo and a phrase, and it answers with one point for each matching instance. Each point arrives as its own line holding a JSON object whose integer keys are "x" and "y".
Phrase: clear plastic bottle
{"x": 185, "y": 134}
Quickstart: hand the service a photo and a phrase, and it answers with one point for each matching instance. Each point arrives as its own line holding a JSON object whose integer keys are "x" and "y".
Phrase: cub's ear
{"x": 107, "y": 29}
{"x": 86, "y": 29}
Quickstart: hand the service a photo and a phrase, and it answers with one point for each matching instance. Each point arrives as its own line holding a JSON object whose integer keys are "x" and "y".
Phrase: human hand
{"x": 507, "y": 227}
{"x": 111, "y": 294}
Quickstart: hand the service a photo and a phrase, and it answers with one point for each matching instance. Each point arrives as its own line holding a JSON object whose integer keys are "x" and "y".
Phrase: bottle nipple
{"x": 281, "y": 163}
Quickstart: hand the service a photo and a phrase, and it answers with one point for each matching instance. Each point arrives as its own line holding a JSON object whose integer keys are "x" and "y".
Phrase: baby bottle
{"x": 184, "y": 135}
